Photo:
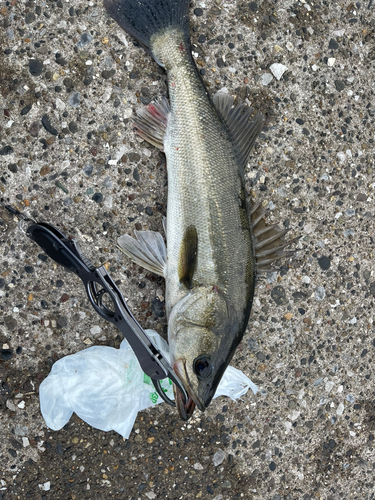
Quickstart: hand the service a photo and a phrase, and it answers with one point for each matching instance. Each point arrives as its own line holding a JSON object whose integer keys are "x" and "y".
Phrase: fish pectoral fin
{"x": 188, "y": 256}
{"x": 151, "y": 122}
{"x": 243, "y": 131}
{"x": 269, "y": 240}
{"x": 147, "y": 249}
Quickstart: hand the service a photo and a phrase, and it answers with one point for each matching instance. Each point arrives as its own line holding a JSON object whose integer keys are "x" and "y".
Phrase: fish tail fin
{"x": 143, "y": 19}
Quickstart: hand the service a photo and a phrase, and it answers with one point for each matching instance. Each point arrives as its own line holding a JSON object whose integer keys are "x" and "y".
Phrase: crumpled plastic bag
{"x": 106, "y": 387}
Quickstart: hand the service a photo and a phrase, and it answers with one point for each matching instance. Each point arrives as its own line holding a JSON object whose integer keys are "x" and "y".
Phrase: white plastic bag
{"x": 106, "y": 387}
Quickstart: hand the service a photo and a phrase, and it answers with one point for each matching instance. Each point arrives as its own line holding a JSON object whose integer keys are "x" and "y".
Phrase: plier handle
{"x": 107, "y": 300}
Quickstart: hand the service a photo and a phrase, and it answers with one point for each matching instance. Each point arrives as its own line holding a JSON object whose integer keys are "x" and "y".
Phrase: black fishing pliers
{"x": 106, "y": 299}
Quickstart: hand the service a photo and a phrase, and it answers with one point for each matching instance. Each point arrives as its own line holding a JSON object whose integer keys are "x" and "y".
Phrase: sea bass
{"x": 210, "y": 261}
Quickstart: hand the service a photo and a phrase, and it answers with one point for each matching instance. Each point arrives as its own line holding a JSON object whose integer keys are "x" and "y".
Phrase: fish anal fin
{"x": 188, "y": 256}
{"x": 147, "y": 249}
{"x": 269, "y": 240}
{"x": 243, "y": 131}
{"x": 151, "y": 122}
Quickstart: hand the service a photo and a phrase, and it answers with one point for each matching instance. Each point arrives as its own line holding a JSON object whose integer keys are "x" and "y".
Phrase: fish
{"x": 216, "y": 242}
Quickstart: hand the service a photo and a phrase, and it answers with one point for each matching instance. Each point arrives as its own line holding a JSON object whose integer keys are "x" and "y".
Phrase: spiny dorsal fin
{"x": 269, "y": 241}
{"x": 147, "y": 250}
{"x": 244, "y": 133}
{"x": 188, "y": 256}
{"x": 151, "y": 122}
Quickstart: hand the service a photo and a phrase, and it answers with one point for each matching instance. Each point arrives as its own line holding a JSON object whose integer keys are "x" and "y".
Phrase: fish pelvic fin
{"x": 244, "y": 132}
{"x": 151, "y": 122}
{"x": 144, "y": 18}
{"x": 269, "y": 240}
{"x": 188, "y": 256}
{"x": 147, "y": 249}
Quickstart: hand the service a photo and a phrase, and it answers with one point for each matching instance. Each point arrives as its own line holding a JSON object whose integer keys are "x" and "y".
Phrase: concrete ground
{"x": 70, "y": 81}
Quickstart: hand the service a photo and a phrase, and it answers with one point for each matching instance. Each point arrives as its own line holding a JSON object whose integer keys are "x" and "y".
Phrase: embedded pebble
{"x": 266, "y": 78}
{"x": 218, "y": 457}
{"x": 95, "y": 330}
{"x": 320, "y": 293}
{"x": 74, "y": 99}
{"x": 35, "y": 67}
{"x": 278, "y": 70}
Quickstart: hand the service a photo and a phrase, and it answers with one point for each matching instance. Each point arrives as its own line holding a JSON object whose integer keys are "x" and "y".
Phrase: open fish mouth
{"x": 185, "y": 409}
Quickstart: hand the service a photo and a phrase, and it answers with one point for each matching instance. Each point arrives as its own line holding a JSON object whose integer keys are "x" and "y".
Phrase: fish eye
{"x": 202, "y": 367}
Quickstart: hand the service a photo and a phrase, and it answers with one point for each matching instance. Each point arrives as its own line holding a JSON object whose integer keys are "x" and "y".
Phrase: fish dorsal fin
{"x": 151, "y": 122}
{"x": 147, "y": 249}
{"x": 244, "y": 132}
{"x": 269, "y": 240}
{"x": 188, "y": 256}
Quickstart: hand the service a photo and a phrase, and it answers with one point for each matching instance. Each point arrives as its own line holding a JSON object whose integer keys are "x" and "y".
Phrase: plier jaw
{"x": 99, "y": 285}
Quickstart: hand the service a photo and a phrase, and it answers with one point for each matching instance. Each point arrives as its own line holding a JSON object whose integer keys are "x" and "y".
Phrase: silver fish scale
{"x": 204, "y": 184}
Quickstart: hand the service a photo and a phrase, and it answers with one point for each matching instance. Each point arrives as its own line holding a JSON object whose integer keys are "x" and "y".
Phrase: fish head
{"x": 202, "y": 338}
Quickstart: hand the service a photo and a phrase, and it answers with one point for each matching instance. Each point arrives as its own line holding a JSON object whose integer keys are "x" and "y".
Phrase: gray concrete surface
{"x": 310, "y": 341}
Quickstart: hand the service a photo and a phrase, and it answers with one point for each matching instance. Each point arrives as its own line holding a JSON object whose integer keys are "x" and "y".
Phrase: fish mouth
{"x": 185, "y": 410}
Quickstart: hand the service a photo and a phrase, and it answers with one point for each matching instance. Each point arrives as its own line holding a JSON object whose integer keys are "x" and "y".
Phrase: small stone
{"x": 61, "y": 322}
{"x": 266, "y": 79}
{"x": 47, "y": 125}
{"x": 324, "y": 262}
{"x": 88, "y": 169}
{"x": 333, "y": 45}
{"x": 10, "y": 323}
{"x": 73, "y": 127}
{"x": 35, "y": 67}
{"x": 29, "y": 18}
{"x": 44, "y": 170}
{"x": 253, "y": 6}
{"x": 320, "y": 293}
{"x": 288, "y": 316}
{"x": 278, "y": 70}
{"x": 340, "y": 85}
{"x": 340, "y": 409}
{"x": 218, "y": 457}
{"x": 107, "y": 74}
{"x": 98, "y": 197}
{"x": 220, "y": 62}
{"x": 138, "y": 438}
{"x": 34, "y": 129}
{"x": 95, "y": 330}
{"x": 278, "y": 295}
{"x": 85, "y": 39}
{"x": 226, "y": 484}
{"x": 198, "y": 12}
{"x": 21, "y": 430}
{"x": 272, "y": 466}
{"x": 26, "y": 109}
{"x": 64, "y": 297}
{"x": 74, "y": 99}
{"x": 75, "y": 440}
{"x": 331, "y": 61}
{"x": 136, "y": 174}
{"x": 307, "y": 321}
{"x": 13, "y": 167}
{"x": 6, "y": 354}
{"x": 157, "y": 307}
